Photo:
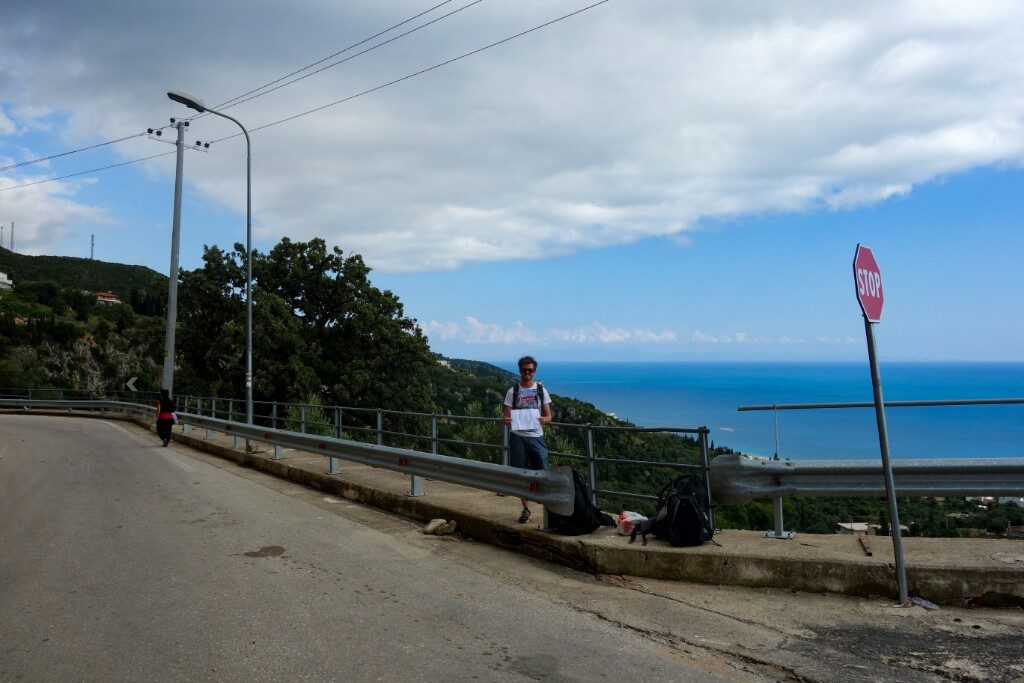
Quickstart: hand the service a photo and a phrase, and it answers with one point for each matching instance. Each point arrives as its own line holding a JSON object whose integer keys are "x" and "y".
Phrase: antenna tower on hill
{"x": 92, "y": 247}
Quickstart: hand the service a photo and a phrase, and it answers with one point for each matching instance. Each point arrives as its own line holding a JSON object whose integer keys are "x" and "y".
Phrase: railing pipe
{"x": 591, "y": 465}
{"x": 887, "y": 404}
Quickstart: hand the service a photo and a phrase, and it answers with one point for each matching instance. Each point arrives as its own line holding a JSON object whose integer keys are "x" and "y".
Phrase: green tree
{"x": 320, "y": 327}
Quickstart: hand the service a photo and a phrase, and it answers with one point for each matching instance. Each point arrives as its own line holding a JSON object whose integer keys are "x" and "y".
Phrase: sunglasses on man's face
{"x": 527, "y": 371}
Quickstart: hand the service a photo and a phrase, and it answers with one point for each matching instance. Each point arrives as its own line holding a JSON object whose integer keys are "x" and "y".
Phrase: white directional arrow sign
{"x": 130, "y": 384}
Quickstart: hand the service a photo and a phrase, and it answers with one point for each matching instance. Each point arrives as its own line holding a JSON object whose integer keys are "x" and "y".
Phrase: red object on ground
{"x": 867, "y": 277}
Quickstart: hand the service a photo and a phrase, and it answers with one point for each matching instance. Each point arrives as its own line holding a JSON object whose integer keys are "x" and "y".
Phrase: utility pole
{"x": 92, "y": 247}
{"x": 172, "y": 280}
{"x": 12, "y": 235}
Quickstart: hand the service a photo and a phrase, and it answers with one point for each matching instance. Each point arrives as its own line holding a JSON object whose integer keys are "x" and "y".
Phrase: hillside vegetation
{"x": 326, "y": 336}
{"x": 134, "y": 285}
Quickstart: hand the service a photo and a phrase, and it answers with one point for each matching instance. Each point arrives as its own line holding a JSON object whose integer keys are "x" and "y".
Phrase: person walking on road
{"x": 165, "y": 409}
{"x": 526, "y": 442}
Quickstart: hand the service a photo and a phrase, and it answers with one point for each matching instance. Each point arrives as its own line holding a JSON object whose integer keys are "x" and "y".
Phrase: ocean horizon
{"x": 708, "y": 393}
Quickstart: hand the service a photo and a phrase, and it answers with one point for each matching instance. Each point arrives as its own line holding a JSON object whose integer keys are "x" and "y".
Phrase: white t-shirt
{"x": 528, "y": 399}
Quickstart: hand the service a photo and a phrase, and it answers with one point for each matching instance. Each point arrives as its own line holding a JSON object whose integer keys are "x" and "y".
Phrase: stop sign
{"x": 868, "y": 278}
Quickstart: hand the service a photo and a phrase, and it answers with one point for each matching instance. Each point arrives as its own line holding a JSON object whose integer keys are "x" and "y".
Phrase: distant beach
{"x": 689, "y": 394}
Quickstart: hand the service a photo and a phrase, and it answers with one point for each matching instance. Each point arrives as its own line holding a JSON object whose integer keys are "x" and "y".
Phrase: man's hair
{"x": 164, "y": 393}
{"x": 527, "y": 359}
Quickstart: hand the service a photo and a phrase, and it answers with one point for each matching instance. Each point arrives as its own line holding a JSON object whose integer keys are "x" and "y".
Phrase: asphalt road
{"x": 121, "y": 560}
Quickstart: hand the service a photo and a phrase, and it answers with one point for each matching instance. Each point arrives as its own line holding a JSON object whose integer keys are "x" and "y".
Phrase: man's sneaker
{"x": 525, "y": 516}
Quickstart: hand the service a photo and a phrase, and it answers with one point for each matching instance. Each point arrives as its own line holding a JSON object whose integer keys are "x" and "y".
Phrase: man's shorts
{"x": 527, "y": 452}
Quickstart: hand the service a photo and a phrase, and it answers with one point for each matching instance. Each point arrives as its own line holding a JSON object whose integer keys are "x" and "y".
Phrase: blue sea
{"x": 691, "y": 394}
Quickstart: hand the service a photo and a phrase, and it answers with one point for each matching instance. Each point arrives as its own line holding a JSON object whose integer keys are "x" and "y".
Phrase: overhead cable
{"x": 73, "y": 151}
{"x": 235, "y": 100}
{"x": 93, "y": 170}
{"x": 232, "y": 102}
{"x": 351, "y": 57}
{"x": 418, "y": 73}
{"x": 344, "y": 99}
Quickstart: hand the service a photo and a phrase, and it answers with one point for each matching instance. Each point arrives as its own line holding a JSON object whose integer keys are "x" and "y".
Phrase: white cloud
{"x": 631, "y": 120}
{"x": 742, "y": 338}
{"x": 476, "y": 332}
{"x": 7, "y": 126}
{"x": 43, "y": 215}
{"x": 700, "y": 337}
{"x": 436, "y": 330}
{"x": 835, "y": 341}
{"x": 598, "y": 333}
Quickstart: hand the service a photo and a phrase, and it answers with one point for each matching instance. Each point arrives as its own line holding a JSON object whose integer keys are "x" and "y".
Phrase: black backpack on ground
{"x": 585, "y": 518}
{"x": 684, "y": 515}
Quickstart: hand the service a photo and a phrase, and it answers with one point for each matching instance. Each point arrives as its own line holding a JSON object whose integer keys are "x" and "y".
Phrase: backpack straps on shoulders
{"x": 540, "y": 396}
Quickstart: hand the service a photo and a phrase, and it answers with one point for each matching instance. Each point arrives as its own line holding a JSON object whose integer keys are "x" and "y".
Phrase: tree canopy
{"x": 320, "y": 328}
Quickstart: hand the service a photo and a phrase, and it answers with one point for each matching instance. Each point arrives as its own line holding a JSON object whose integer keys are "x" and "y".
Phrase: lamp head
{"x": 190, "y": 101}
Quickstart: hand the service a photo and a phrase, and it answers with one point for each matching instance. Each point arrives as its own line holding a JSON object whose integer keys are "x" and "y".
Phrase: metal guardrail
{"x": 888, "y": 404}
{"x": 372, "y": 423}
{"x": 737, "y": 479}
{"x": 779, "y": 531}
{"x": 552, "y": 488}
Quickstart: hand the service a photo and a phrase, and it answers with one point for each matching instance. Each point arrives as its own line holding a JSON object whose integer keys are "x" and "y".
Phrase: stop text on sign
{"x": 868, "y": 279}
{"x": 869, "y": 282}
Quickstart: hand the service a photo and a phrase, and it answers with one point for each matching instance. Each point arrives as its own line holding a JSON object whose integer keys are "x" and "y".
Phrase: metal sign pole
{"x": 883, "y": 444}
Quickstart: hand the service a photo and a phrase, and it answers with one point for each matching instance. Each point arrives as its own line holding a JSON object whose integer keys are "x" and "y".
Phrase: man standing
{"x": 526, "y": 442}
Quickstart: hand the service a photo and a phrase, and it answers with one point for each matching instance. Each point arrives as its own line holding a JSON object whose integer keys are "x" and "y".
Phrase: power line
{"x": 420, "y": 72}
{"x": 94, "y": 170}
{"x": 342, "y": 100}
{"x": 241, "y": 99}
{"x": 73, "y": 151}
{"x": 234, "y": 100}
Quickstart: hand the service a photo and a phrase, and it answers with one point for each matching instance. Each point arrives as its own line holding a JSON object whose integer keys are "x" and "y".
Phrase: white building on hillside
{"x": 5, "y": 282}
{"x": 107, "y": 298}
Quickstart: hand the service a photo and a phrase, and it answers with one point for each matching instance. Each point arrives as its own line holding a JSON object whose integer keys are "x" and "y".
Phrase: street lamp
{"x": 193, "y": 102}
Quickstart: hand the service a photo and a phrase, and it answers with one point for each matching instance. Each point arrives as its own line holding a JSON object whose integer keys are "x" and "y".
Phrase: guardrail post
{"x": 779, "y": 531}
{"x": 238, "y": 442}
{"x": 209, "y": 434}
{"x": 302, "y": 419}
{"x": 591, "y": 465}
{"x": 504, "y": 444}
{"x": 278, "y": 452}
{"x": 706, "y": 467}
{"x": 336, "y": 462}
{"x": 416, "y": 483}
{"x": 380, "y": 427}
{"x": 184, "y": 427}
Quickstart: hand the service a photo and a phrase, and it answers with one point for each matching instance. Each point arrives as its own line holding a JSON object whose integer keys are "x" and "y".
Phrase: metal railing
{"x": 857, "y": 478}
{"x": 731, "y": 479}
{"x": 737, "y": 478}
{"x": 552, "y": 488}
{"x": 437, "y": 430}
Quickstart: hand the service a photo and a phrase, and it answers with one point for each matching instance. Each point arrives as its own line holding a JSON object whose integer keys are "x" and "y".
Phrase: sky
{"x": 642, "y": 180}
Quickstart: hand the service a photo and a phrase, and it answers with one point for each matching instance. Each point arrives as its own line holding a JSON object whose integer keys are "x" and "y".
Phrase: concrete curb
{"x": 602, "y": 553}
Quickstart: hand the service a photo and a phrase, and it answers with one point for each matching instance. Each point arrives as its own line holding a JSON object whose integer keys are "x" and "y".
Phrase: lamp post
{"x": 193, "y": 102}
